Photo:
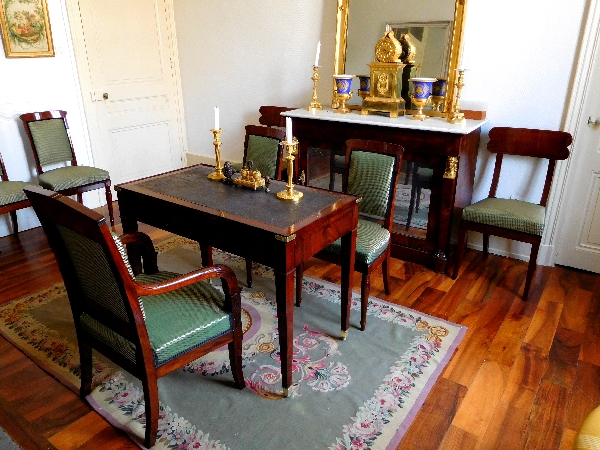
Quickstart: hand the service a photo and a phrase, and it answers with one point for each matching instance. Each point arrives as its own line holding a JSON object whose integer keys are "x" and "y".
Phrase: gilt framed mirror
{"x": 361, "y": 23}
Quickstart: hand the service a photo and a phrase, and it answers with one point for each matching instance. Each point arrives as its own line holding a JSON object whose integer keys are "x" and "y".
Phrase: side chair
{"x": 151, "y": 323}
{"x": 48, "y": 133}
{"x": 509, "y": 218}
{"x": 12, "y": 196}
{"x": 372, "y": 170}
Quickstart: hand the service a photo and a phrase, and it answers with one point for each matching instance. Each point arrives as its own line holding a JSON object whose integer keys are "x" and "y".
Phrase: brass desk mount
{"x": 251, "y": 179}
{"x": 217, "y": 175}
{"x": 291, "y": 149}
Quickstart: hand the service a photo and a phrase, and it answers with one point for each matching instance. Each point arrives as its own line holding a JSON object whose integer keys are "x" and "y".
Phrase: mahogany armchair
{"x": 150, "y": 324}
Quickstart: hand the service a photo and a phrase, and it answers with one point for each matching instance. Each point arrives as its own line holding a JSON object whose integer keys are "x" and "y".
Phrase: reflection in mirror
{"x": 413, "y": 193}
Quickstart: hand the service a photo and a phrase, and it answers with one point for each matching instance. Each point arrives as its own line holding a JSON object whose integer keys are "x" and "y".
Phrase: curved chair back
{"x": 552, "y": 145}
{"x": 262, "y": 146}
{"x": 49, "y": 138}
{"x": 372, "y": 170}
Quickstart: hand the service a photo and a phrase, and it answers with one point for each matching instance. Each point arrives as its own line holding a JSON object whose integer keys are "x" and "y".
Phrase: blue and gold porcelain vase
{"x": 364, "y": 87}
{"x": 343, "y": 91}
{"x": 421, "y": 95}
{"x": 438, "y": 95}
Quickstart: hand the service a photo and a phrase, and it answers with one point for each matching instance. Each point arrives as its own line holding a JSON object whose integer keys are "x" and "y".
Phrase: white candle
{"x": 288, "y": 129}
{"x": 318, "y": 52}
{"x": 216, "y": 117}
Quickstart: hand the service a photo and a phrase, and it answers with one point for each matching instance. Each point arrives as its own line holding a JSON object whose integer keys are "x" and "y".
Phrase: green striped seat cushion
{"x": 514, "y": 215}
{"x": 371, "y": 241}
{"x": 72, "y": 176}
{"x": 176, "y": 321}
{"x": 12, "y": 192}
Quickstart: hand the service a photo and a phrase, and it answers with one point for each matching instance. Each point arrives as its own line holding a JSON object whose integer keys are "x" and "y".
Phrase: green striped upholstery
{"x": 262, "y": 151}
{"x": 370, "y": 177}
{"x": 12, "y": 192}
{"x": 176, "y": 321}
{"x": 506, "y": 213}
{"x": 93, "y": 272}
{"x": 183, "y": 319}
{"x": 339, "y": 161}
{"x": 51, "y": 141}
{"x": 123, "y": 252}
{"x": 371, "y": 241}
{"x": 72, "y": 176}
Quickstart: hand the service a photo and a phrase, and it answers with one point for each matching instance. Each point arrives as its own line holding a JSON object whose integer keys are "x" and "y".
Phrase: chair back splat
{"x": 48, "y": 133}
{"x": 149, "y": 323}
{"x": 371, "y": 172}
{"x": 509, "y": 218}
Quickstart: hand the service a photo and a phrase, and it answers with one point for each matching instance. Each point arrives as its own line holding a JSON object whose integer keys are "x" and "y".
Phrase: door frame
{"x": 85, "y": 83}
{"x": 589, "y": 45}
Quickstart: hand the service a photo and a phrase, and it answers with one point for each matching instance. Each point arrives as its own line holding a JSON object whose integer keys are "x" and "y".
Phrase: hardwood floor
{"x": 525, "y": 376}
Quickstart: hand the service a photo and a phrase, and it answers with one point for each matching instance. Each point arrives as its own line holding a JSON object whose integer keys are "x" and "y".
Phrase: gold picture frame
{"x": 25, "y": 28}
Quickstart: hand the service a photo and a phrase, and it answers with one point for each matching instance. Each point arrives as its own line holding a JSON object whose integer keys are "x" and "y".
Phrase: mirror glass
{"x": 431, "y": 24}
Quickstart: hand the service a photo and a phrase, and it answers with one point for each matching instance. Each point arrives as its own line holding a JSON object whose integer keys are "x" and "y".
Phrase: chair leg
{"x": 110, "y": 206}
{"x": 331, "y": 170}
{"x": 409, "y": 166}
{"x": 418, "y": 197}
{"x": 151, "y": 400}
{"x": 365, "y": 290}
{"x": 385, "y": 269}
{"x": 15, "y": 224}
{"x": 460, "y": 251}
{"x": 206, "y": 254}
{"x": 235, "y": 359}
{"x": 486, "y": 245}
{"x": 411, "y": 204}
{"x": 531, "y": 269}
{"x": 249, "y": 272}
{"x": 299, "y": 276}
{"x": 85, "y": 358}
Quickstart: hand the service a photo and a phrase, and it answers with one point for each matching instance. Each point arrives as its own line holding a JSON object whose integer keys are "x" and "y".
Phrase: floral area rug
{"x": 361, "y": 393}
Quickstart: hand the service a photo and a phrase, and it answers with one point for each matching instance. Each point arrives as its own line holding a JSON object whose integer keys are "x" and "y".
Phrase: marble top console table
{"x": 439, "y": 164}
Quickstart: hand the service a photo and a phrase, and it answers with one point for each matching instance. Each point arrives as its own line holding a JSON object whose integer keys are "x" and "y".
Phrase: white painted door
{"x": 126, "y": 55}
{"x": 578, "y": 243}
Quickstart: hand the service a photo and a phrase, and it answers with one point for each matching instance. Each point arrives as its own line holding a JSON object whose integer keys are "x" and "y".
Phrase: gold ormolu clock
{"x": 386, "y": 78}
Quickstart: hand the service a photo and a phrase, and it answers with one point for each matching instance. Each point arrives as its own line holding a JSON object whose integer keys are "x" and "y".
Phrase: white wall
{"x": 37, "y": 84}
{"x": 241, "y": 54}
{"x": 519, "y": 58}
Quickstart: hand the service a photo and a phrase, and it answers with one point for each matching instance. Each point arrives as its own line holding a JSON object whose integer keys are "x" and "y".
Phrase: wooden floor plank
{"x": 79, "y": 432}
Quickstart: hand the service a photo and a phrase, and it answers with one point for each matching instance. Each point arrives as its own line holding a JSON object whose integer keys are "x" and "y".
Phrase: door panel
{"x": 132, "y": 110}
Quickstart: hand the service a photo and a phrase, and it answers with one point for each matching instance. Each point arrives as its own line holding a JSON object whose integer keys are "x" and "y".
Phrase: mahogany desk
{"x": 255, "y": 225}
{"x": 449, "y": 150}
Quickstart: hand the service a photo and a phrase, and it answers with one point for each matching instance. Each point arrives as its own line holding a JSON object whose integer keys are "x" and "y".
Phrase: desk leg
{"x": 135, "y": 257}
{"x": 284, "y": 293}
{"x": 348, "y": 257}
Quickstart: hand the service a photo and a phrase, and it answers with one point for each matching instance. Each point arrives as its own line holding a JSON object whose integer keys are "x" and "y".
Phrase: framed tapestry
{"x": 25, "y": 28}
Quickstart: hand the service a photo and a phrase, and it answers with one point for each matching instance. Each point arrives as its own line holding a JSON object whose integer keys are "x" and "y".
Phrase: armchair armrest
{"x": 229, "y": 281}
{"x": 140, "y": 252}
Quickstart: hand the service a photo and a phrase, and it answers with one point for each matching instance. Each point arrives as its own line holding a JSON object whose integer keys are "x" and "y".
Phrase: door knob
{"x": 105, "y": 96}
{"x": 593, "y": 121}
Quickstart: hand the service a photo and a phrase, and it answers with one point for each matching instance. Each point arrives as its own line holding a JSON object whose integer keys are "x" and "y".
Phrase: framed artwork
{"x": 25, "y": 28}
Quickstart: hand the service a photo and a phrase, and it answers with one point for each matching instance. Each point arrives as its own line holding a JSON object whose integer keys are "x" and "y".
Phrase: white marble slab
{"x": 430, "y": 124}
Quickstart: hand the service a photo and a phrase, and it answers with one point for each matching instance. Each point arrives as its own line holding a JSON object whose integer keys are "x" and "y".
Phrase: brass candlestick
{"x": 455, "y": 116}
{"x": 315, "y": 104}
{"x": 217, "y": 175}
{"x": 291, "y": 148}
